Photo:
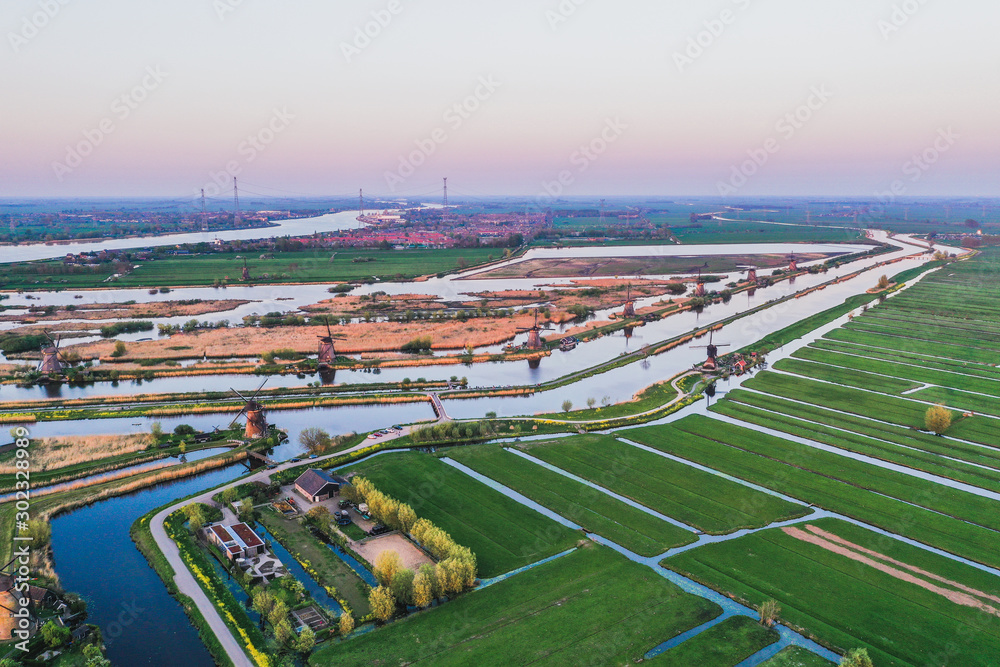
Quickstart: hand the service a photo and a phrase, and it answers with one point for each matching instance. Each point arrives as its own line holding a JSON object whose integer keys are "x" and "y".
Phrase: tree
{"x": 229, "y": 495}
{"x": 263, "y": 601}
{"x": 567, "y": 405}
{"x": 769, "y": 611}
{"x": 382, "y": 602}
{"x": 591, "y": 402}
{"x": 306, "y": 641}
{"x": 407, "y": 517}
{"x": 423, "y": 586}
{"x": 937, "y": 419}
{"x": 402, "y": 586}
{"x": 120, "y": 349}
{"x": 318, "y": 513}
{"x": 156, "y": 429}
{"x": 278, "y": 613}
{"x": 92, "y": 654}
{"x": 195, "y": 516}
{"x": 246, "y": 509}
{"x": 316, "y": 440}
{"x": 883, "y": 282}
{"x": 971, "y": 224}
{"x": 184, "y": 429}
{"x": 55, "y": 635}
{"x": 346, "y": 624}
{"x": 857, "y": 657}
{"x": 387, "y": 564}
{"x": 283, "y": 631}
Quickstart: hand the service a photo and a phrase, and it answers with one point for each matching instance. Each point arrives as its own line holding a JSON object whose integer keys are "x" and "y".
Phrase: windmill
{"x": 629, "y": 305}
{"x": 256, "y": 421}
{"x": 534, "y": 334}
{"x": 52, "y": 361}
{"x": 699, "y": 289}
{"x": 246, "y": 270}
{"x": 327, "y": 353}
{"x": 793, "y": 263}
{"x": 751, "y": 274}
{"x": 713, "y": 351}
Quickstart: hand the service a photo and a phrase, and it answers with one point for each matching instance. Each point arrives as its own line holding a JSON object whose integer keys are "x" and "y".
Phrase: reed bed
{"x": 59, "y": 452}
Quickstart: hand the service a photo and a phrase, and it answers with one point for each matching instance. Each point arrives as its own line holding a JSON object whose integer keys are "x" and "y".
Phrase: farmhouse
{"x": 236, "y": 541}
{"x": 317, "y": 485}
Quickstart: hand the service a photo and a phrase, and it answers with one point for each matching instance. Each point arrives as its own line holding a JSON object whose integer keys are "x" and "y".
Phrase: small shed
{"x": 318, "y": 485}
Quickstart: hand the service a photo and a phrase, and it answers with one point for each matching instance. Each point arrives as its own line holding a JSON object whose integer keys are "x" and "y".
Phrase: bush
{"x": 421, "y": 344}
{"x": 184, "y": 429}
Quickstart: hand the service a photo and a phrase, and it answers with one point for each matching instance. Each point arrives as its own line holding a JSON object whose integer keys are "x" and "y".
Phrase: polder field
{"x": 902, "y": 558}
{"x": 301, "y": 266}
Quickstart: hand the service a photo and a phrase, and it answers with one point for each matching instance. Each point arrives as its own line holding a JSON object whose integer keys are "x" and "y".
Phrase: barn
{"x": 318, "y": 485}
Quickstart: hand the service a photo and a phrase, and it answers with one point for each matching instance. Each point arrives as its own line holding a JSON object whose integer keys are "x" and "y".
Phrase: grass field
{"x": 502, "y": 533}
{"x": 597, "y": 512}
{"x": 591, "y": 607}
{"x": 699, "y": 499}
{"x": 286, "y": 267}
{"x": 900, "y": 622}
{"x": 794, "y": 656}
{"x": 723, "y": 645}
{"x": 832, "y": 482}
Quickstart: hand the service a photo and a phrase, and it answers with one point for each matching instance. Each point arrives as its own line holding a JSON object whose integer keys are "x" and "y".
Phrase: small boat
{"x": 567, "y": 344}
{"x": 154, "y": 291}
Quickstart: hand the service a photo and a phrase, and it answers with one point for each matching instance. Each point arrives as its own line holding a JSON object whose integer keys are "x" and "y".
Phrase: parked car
{"x": 312, "y": 456}
{"x": 397, "y": 427}
{"x": 295, "y": 460}
{"x": 374, "y": 436}
{"x": 344, "y": 504}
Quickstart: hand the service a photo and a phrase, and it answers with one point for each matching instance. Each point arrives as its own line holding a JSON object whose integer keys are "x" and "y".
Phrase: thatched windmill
{"x": 246, "y": 270}
{"x": 699, "y": 289}
{"x": 751, "y": 274}
{"x": 327, "y": 352}
{"x": 534, "y": 334}
{"x": 629, "y": 305}
{"x": 254, "y": 409}
{"x": 52, "y": 362}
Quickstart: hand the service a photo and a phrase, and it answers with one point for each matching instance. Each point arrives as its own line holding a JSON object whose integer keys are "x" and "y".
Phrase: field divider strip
{"x": 627, "y": 501}
{"x": 895, "y": 363}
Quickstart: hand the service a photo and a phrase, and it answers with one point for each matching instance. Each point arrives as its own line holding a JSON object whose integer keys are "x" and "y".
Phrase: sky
{"x": 549, "y": 98}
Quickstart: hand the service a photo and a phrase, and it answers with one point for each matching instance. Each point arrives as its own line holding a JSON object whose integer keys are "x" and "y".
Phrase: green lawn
{"x": 597, "y": 512}
{"x": 592, "y": 606}
{"x": 794, "y": 656}
{"x": 699, "y": 499}
{"x": 723, "y": 645}
{"x": 330, "y": 570}
{"x": 899, "y": 622}
{"x": 502, "y": 533}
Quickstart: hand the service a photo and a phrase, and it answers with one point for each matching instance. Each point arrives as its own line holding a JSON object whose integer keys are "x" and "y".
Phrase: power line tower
{"x": 236, "y": 196}
{"x": 603, "y": 219}
{"x": 446, "y": 192}
{"x": 361, "y": 198}
{"x": 204, "y": 215}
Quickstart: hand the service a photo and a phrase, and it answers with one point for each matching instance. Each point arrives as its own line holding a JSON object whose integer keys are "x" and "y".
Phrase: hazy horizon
{"x": 136, "y": 99}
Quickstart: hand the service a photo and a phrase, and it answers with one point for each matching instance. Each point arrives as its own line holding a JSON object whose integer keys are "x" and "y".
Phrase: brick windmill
{"x": 751, "y": 274}
{"x": 256, "y": 421}
{"x": 711, "y": 363}
{"x": 534, "y": 334}
{"x": 793, "y": 263}
{"x": 629, "y": 304}
{"x": 327, "y": 352}
{"x": 52, "y": 362}
{"x": 699, "y": 289}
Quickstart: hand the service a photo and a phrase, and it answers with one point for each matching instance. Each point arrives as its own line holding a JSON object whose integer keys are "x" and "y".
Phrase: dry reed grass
{"x": 55, "y": 453}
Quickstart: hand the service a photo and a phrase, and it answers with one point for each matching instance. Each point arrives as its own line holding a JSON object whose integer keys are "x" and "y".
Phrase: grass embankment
{"x": 502, "y": 533}
{"x": 648, "y": 399}
{"x": 899, "y": 622}
{"x": 892, "y": 501}
{"x": 327, "y": 568}
{"x": 596, "y": 512}
{"x": 705, "y": 501}
{"x": 728, "y": 643}
{"x": 592, "y": 606}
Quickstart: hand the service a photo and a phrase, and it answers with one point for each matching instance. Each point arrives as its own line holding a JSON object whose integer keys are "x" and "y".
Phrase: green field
{"x": 301, "y": 266}
{"x": 591, "y": 607}
{"x": 794, "y": 656}
{"x": 502, "y": 533}
{"x": 900, "y": 622}
{"x": 597, "y": 512}
{"x": 705, "y": 501}
{"x": 723, "y": 645}
{"x": 835, "y": 483}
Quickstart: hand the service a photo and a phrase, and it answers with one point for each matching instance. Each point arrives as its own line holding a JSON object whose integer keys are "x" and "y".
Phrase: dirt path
{"x": 857, "y": 553}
